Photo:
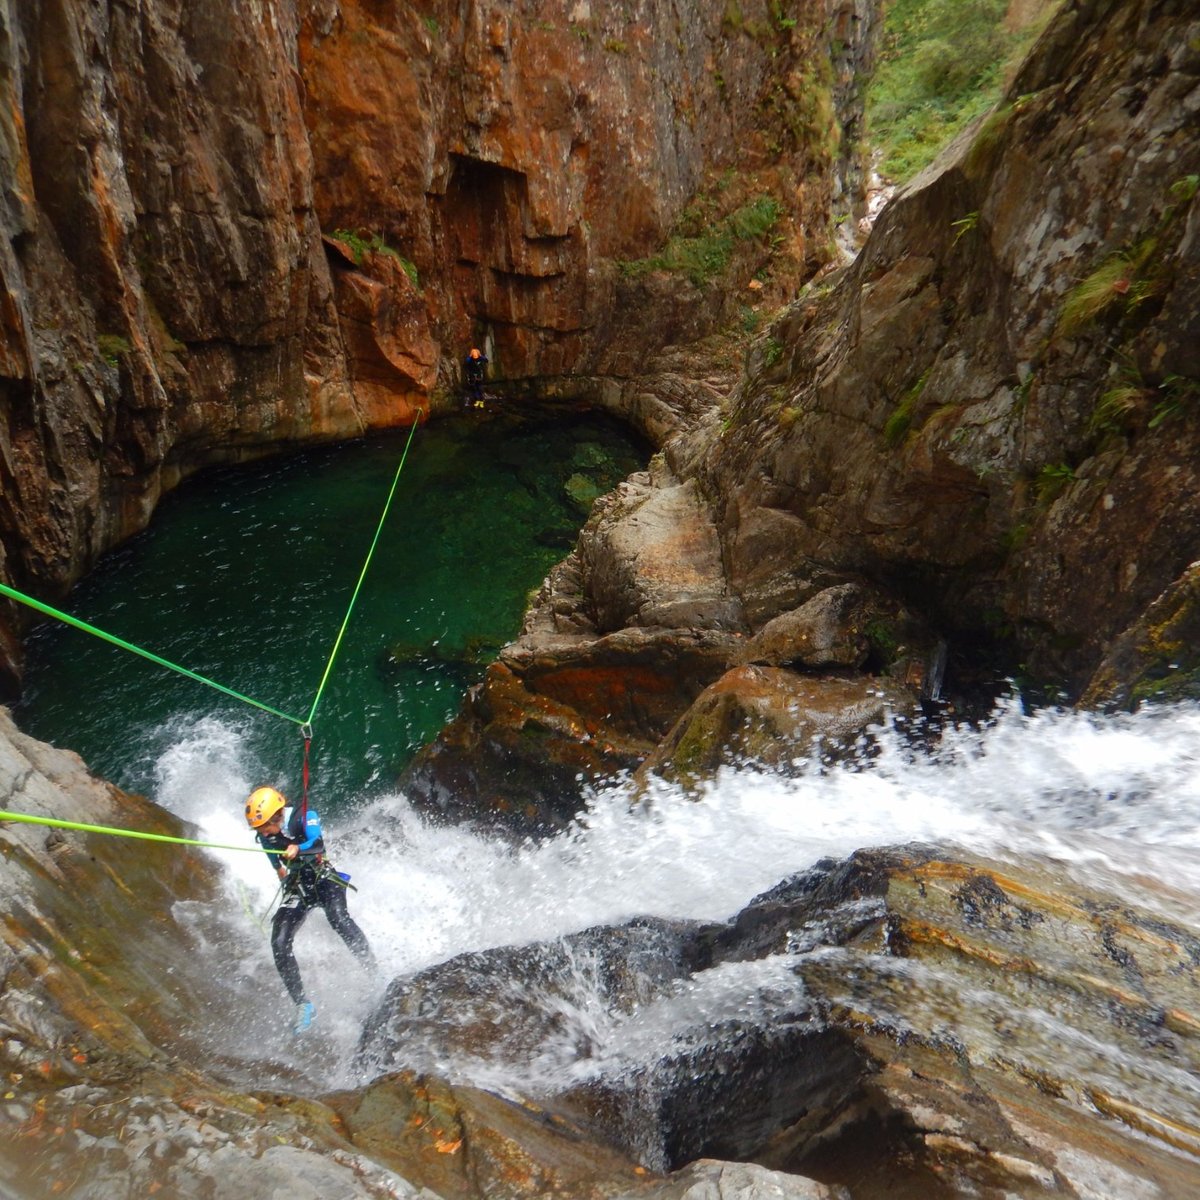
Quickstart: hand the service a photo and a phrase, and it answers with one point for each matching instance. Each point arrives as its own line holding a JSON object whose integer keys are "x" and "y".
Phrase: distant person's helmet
{"x": 263, "y": 804}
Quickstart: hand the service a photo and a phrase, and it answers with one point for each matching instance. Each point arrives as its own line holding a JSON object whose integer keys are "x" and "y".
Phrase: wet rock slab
{"x": 907, "y": 1022}
{"x": 901, "y": 1023}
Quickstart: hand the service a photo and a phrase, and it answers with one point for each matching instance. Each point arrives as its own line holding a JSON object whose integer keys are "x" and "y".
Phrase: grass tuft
{"x": 705, "y": 255}
{"x": 1117, "y": 282}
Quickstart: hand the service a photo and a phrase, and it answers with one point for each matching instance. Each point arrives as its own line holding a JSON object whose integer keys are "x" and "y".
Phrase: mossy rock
{"x": 1156, "y": 660}
{"x": 777, "y": 717}
{"x": 582, "y": 491}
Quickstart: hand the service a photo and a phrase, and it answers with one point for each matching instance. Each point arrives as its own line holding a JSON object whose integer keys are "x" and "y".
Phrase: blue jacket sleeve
{"x": 312, "y": 831}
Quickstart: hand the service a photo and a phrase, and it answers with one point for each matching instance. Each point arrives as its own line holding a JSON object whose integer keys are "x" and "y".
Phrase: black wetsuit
{"x": 310, "y": 882}
{"x": 473, "y": 370}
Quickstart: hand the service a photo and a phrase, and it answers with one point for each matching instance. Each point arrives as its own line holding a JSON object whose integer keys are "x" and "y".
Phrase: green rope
{"x": 13, "y": 594}
{"x": 129, "y": 833}
{"x": 305, "y": 724}
{"x": 362, "y": 575}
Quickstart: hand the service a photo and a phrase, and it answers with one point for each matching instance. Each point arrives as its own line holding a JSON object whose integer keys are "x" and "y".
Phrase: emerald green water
{"x": 246, "y": 575}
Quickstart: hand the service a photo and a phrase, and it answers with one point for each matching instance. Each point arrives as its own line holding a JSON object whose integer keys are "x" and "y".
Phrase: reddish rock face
{"x": 517, "y": 157}
{"x": 189, "y": 188}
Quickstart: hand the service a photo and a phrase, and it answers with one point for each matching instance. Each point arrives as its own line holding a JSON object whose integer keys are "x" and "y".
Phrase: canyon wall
{"x": 968, "y": 461}
{"x": 993, "y": 413}
{"x": 240, "y": 226}
{"x": 523, "y": 157}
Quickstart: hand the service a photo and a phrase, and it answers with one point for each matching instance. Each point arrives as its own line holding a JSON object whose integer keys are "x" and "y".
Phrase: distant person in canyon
{"x": 308, "y": 881}
{"x": 474, "y": 368}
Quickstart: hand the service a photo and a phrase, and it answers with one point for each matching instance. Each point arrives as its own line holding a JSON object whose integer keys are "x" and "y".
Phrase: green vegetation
{"x": 941, "y": 64}
{"x": 763, "y": 31}
{"x": 1165, "y": 683}
{"x": 1179, "y": 395}
{"x": 363, "y": 245}
{"x": 1021, "y": 392}
{"x": 896, "y": 427}
{"x": 112, "y": 346}
{"x": 1116, "y": 408}
{"x": 1184, "y": 190}
{"x": 702, "y": 248}
{"x": 1051, "y": 482}
{"x": 410, "y": 269}
{"x": 1132, "y": 399}
{"x": 883, "y": 636}
{"x": 1123, "y": 280}
{"x": 800, "y": 106}
{"x": 964, "y": 225}
{"x": 1017, "y": 536}
{"x": 1126, "y": 290}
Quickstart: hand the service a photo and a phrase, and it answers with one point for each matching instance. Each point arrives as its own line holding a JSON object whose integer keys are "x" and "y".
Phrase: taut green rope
{"x": 13, "y": 594}
{"x": 26, "y": 819}
{"x": 305, "y": 725}
{"x": 362, "y": 575}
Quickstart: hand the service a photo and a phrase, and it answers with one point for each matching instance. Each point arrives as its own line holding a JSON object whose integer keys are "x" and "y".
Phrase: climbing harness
{"x": 304, "y": 876}
{"x": 305, "y": 723}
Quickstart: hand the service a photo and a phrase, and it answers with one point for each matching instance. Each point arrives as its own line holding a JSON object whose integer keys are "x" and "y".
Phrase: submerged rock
{"x": 777, "y": 718}
{"x": 547, "y": 1002}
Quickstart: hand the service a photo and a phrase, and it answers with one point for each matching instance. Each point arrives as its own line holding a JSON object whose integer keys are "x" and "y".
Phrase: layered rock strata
{"x": 904, "y": 1019}
{"x": 901, "y": 1023}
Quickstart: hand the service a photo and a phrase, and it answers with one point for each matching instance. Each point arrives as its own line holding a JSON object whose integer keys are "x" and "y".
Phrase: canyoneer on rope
{"x": 291, "y": 836}
{"x": 309, "y": 880}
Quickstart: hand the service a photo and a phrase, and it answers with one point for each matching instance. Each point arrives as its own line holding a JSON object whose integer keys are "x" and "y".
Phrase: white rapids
{"x": 1113, "y": 802}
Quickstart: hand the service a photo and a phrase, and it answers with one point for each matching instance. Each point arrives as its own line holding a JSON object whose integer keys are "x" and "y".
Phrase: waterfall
{"x": 1112, "y": 802}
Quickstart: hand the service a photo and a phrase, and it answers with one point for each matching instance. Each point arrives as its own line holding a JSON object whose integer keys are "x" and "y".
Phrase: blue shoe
{"x": 306, "y": 1010}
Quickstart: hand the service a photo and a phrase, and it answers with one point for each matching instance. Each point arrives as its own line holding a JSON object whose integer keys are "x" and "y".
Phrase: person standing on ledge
{"x": 308, "y": 881}
{"x": 474, "y": 366}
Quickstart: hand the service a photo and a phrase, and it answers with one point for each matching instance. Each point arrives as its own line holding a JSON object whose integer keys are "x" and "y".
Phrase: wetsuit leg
{"x": 283, "y": 932}
{"x": 332, "y": 897}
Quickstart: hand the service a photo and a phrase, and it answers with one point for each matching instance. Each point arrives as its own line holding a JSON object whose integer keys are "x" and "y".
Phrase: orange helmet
{"x": 263, "y": 804}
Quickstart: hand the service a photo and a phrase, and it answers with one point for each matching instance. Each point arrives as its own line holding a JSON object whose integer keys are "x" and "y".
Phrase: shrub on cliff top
{"x": 941, "y": 64}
